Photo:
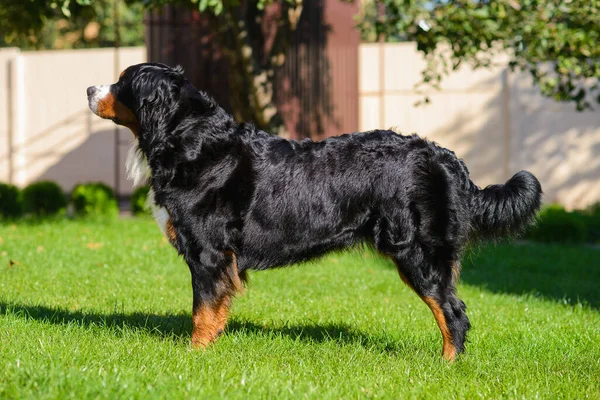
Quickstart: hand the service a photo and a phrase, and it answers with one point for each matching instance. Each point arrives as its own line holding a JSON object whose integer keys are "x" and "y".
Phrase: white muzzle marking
{"x": 101, "y": 92}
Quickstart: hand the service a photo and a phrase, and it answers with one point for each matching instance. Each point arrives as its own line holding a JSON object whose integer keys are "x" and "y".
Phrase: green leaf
{"x": 532, "y": 32}
{"x": 218, "y": 8}
{"x": 65, "y": 8}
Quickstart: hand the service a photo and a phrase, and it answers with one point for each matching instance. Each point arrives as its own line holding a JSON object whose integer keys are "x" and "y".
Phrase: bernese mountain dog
{"x": 232, "y": 198}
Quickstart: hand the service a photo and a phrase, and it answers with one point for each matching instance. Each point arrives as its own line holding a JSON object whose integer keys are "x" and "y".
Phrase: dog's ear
{"x": 197, "y": 99}
{"x": 158, "y": 88}
{"x": 179, "y": 69}
{"x": 147, "y": 95}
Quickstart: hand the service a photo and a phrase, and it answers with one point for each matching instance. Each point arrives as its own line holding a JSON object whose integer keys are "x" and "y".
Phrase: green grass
{"x": 103, "y": 311}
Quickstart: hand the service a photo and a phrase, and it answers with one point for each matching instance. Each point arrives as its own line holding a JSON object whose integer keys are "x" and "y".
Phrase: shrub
{"x": 592, "y": 224}
{"x": 555, "y": 224}
{"x": 593, "y": 210}
{"x": 591, "y": 220}
{"x": 94, "y": 199}
{"x": 44, "y": 198}
{"x": 138, "y": 201}
{"x": 11, "y": 201}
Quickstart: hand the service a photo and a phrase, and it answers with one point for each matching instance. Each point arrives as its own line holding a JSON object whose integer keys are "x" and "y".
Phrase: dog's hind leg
{"x": 212, "y": 298}
{"x": 435, "y": 285}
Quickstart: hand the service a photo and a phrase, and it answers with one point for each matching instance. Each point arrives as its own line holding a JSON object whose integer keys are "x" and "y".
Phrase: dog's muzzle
{"x": 95, "y": 94}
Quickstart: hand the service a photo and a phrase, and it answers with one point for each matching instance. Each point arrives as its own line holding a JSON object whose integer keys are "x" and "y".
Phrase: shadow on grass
{"x": 178, "y": 327}
{"x": 338, "y": 333}
{"x": 568, "y": 274}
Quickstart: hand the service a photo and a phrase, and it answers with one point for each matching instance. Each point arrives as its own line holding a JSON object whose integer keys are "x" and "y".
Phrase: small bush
{"x": 138, "y": 201}
{"x": 44, "y": 199}
{"x": 555, "y": 224}
{"x": 94, "y": 199}
{"x": 592, "y": 224}
{"x": 11, "y": 201}
{"x": 593, "y": 210}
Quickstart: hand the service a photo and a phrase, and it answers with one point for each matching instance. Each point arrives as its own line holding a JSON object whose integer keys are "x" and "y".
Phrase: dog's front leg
{"x": 214, "y": 287}
{"x": 209, "y": 319}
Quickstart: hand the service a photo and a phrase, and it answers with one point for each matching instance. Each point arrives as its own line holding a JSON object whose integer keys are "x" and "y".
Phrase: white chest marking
{"x": 160, "y": 214}
{"x": 136, "y": 165}
{"x": 139, "y": 172}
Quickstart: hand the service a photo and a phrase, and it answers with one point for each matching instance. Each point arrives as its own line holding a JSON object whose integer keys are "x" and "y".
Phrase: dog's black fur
{"x": 231, "y": 188}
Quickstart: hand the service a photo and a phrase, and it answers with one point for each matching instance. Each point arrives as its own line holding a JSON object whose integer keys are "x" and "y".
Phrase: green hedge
{"x": 593, "y": 210}
{"x": 591, "y": 217}
{"x": 555, "y": 224}
{"x": 94, "y": 199}
{"x": 44, "y": 198}
{"x": 138, "y": 201}
{"x": 11, "y": 201}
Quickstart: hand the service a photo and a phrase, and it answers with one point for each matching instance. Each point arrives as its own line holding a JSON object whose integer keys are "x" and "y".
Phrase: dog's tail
{"x": 505, "y": 210}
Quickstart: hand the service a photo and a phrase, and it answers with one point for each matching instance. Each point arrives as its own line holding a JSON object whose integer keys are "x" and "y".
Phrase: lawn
{"x": 91, "y": 310}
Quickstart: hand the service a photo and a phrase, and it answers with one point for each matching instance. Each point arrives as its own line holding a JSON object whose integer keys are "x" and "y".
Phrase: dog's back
{"x": 390, "y": 190}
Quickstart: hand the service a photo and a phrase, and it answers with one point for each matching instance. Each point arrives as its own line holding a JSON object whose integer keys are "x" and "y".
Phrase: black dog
{"x": 231, "y": 198}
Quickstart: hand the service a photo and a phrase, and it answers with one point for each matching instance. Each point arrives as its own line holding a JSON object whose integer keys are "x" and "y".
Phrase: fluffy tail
{"x": 504, "y": 210}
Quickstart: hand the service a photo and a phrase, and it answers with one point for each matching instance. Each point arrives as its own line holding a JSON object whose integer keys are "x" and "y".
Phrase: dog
{"x": 232, "y": 198}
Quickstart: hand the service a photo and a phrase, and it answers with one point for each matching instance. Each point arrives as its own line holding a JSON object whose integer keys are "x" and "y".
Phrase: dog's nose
{"x": 91, "y": 90}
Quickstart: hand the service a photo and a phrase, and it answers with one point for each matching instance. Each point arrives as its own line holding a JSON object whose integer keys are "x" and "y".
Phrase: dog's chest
{"x": 139, "y": 172}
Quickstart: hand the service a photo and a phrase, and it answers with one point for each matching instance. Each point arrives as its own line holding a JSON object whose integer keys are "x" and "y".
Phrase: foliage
{"x": 592, "y": 224}
{"x": 10, "y": 201}
{"x": 591, "y": 216}
{"x": 94, "y": 199}
{"x": 37, "y": 24}
{"x": 138, "y": 200}
{"x": 253, "y": 37}
{"x": 555, "y": 224}
{"x": 44, "y": 198}
{"x": 593, "y": 209}
{"x": 555, "y": 41}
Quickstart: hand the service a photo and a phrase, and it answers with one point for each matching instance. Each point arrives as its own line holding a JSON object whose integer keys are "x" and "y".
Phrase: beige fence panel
{"x": 51, "y": 134}
{"x": 495, "y": 120}
{"x": 6, "y": 55}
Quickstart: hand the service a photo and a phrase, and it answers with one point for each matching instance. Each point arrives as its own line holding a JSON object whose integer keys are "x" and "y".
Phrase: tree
{"x": 556, "y": 41}
{"x": 40, "y": 24}
{"x": 252, "y": 34}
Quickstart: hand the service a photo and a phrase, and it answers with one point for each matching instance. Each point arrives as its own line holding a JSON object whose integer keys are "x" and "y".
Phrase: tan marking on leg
{"x": 209, "y": 320}
{"x": 170, "y": 232}
{"x": 448, "y": 349}
{"x": 235, "y": 278}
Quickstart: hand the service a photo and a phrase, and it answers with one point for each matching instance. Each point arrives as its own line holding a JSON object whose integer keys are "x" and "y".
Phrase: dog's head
{"x": 141, "y": 89}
